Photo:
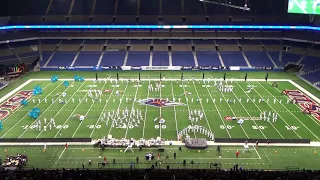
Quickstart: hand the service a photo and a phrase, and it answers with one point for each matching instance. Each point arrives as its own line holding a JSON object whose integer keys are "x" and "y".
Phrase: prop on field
{"x": 245, "y": 77}
{"x": 78, "y": 78}
{"x": 1, "y": 127}
{"x": 54, "y": 78}
{"x": 65, "y": 83}
{"x": 34, "y": 113}
{"x": 24, "y": 102}
{"x": 37, "y": 90}
{"x": 274, "y": 84}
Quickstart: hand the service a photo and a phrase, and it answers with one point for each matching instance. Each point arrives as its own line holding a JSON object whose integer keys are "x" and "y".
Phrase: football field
{"x": 173, "y": 103}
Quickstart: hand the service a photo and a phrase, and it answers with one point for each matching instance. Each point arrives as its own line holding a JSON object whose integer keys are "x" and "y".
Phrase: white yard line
{"x": 62, "y": 153}
{"x": 249, "y": 115}
{"x": 28, "y": 112}
{"x": 132, "y": 107}
{"x": 102, "y": 111}
{"x": 311, "y": 117}
{"x": 29, "y": 127}
{"x": 218, "y": 112}
{"x": 305, "y": 91}
{"x": 234, "y": 114}
{"x": 71, "y": 114}
{"x": 205, "y": 115}
{"x": 291, "y": 113}
{"x": 20, "y": 106}
{"x": 11, "y": 93}
{"x": 257, "y": 152}
{"x": 87, "y": 113}
{"x": 145, "y": 113}
{"x": 61, "y": 109}
{"x": 184, "y": 92}
{"x": 118, "y": 107}
{"x": 175, "y": 114}
{"x": 261, "y": 110}
{"x": 160, "y": 125}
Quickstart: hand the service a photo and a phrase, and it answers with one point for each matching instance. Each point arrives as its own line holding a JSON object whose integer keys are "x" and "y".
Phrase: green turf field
{"x": 291, "y": 123}
{"x": 304, "y": 6}
{"x": 269, "y": 158}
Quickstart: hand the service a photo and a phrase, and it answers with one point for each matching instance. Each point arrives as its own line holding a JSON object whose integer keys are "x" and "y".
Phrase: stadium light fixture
{"x": 244, "y": 7}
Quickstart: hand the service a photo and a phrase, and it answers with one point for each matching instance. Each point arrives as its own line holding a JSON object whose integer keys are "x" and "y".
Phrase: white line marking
{"x": 35, "y": 121}
{"x": 102, "y": 111}
{"x": 232, "y": 111}
{"x": 184, "y": 92}
{"x": 118, "y": 106}
{"x": 175, "y": 114}
{"x": 86, "y": 112}
{"x": 218, "y": 112}
{"x": 28, "y": 112}
{"x": 61, "y": 108}
{"x": 20, "y": 106}
{"x": 205, "y": 115}
{"x": 132, "y": 107}
{"x": 259, "y": 108}
{"x": 11, "y": 93}
{"x": 291, "y": 113}
{"x": 145, "y": 113}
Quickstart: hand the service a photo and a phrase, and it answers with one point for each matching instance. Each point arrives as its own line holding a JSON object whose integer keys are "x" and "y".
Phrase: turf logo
{"x": 158, "y": 102}
{"x": 14, "y": 102}
{"x": 305, "y": 103}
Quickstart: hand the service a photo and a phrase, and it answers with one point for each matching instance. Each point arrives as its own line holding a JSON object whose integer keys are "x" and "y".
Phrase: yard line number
{"x": 294, "y": 128}
{"x": 226, "y": 127}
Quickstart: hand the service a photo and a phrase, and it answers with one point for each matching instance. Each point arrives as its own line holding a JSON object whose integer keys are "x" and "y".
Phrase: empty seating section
{"x": 138, "y": 51}
{"x": 45, "y": 58}
{"x": 113, "y": 58}
{"x": 104, "y": 7}
{"x": 286, "y": 58}
{"x": 87, "y": 58}
{"x": 59, "y": 7}
{"x": 148, "y": 7}
{"x": 207, "y": 58}
{"x": 182, "y": 58}
{"x": 312, "y": 77}
{"x": 82, "y": 7}
{"x": 192, "y": 7}
{"x": 127, "y": 7}
{"x": 233, "y": 59}
{"x": 258, "y": 59}
{"x": 140, "y": 58}
{"x": 310, "y": 62}
{"x": 171, "y": 7}
{"x": 160, "y": 58}
{"x": 62, "y": 59}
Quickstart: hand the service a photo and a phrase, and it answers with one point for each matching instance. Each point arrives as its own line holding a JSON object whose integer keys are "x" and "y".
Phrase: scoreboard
{"x": 304, "y": 6}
